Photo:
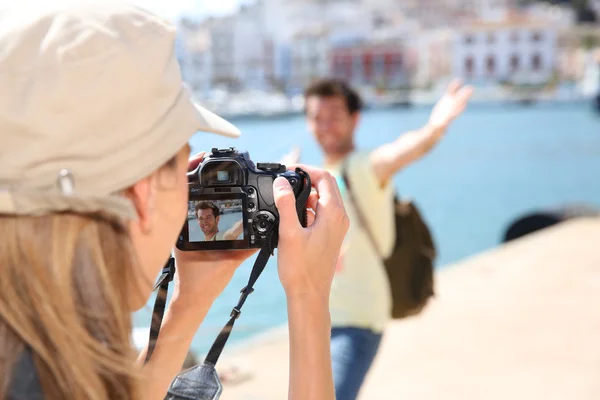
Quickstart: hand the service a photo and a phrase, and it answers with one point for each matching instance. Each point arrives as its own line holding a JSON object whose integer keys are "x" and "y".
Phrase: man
{"x": 360, "y": 301}
{"x": 209, "y": 215}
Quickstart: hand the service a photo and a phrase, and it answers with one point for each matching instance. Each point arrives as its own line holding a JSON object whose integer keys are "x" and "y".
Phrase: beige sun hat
{"x": 91, "y": 101}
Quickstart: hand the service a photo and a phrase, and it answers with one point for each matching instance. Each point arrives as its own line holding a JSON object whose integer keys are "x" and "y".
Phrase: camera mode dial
{"x": 271, "y": 167}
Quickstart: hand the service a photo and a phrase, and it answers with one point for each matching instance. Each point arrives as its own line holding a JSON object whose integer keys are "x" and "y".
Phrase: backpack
{"x": 410, "y": 266}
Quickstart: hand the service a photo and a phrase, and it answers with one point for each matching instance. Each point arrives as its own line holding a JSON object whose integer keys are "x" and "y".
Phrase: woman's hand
{"x": 307, "y": 256}
{"x": 204, "y": 274}
{"x": 200, "y": 277}
{"x": 306, "y": 263}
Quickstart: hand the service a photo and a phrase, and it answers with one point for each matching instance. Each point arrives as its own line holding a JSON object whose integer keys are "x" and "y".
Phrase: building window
{"x": 469, "y": 39}
{"x": 536, "y": 62}
{"x": 514, "y": 37}
{"x": 536, "y": 37}
{"x": 469, "y": 66}
{"x": 514, "y": 63}
{"x": 490, "y": 65}
{"x": 491, "y": 38}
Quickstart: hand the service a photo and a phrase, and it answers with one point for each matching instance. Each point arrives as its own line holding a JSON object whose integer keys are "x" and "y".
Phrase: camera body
{"x": 231, "y": 203}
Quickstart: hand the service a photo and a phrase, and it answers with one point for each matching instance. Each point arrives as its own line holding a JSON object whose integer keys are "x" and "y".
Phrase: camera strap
{"x": 168, "y": 273}
{"x": 259, "y": 265}
{"x": 162, "y": 284}
{"x": 166, "y": 277}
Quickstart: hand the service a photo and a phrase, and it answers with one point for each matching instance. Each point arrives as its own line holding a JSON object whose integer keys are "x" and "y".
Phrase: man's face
{"x": 207, "y": 221}
{"x": 331, "y": 123}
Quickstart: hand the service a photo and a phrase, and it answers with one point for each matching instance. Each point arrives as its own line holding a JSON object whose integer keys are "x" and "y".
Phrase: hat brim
{"x": 211, "y": 122}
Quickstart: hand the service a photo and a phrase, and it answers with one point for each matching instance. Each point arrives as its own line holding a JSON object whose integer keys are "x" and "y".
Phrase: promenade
{"x": 521, "y": 321}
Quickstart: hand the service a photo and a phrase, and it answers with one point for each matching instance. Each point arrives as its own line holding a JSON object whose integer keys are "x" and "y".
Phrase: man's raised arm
{"x": 409, "y": 147}
{"x": 234, "y": 232}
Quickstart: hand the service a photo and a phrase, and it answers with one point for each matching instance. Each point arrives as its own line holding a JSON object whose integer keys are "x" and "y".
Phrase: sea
{"x": 497, "y": 162}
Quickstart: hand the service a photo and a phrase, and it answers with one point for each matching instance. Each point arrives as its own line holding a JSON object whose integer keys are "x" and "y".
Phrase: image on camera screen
{"x": 215, "y": 220}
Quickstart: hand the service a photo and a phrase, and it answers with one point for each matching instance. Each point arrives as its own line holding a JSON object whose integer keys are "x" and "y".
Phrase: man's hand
{"x": 234, "y": 232}
{"x": 451, "y": 105}
{"x": 293, "y": 157}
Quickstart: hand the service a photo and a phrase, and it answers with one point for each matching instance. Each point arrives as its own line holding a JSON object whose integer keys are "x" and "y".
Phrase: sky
{"x": 173, "y": 8}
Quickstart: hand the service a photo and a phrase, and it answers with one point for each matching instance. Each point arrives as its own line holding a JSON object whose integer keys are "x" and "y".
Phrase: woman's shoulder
{"x": 25, "y": 383}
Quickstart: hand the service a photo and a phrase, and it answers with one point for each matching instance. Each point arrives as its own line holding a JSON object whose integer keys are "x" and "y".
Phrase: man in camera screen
{"x": 209, "y": 215}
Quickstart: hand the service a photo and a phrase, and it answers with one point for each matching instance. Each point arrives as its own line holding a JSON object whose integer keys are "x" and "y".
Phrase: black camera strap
{"x": 168, "y": 273}
{"x": 259, "y": 265}
{"x": 162, "y": 284}
{"x": 167, "y": 276}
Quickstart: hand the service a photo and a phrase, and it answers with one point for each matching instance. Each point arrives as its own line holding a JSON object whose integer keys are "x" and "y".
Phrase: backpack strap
{"x": 359, "y": 214}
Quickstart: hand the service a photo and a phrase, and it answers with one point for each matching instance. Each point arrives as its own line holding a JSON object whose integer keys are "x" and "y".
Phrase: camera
{"x": 231, "y": 203}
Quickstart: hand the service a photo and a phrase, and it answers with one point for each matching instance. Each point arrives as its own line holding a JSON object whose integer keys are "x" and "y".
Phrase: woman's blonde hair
{"x": 63, "y": 296}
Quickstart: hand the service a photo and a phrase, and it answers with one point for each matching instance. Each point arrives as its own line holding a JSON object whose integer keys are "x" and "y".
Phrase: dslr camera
{"x": 231, "y": 204}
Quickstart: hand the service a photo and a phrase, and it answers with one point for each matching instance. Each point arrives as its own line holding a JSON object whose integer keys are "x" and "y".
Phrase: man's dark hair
{"x": 207, "y": 205}
{"x": 329, "y": 87}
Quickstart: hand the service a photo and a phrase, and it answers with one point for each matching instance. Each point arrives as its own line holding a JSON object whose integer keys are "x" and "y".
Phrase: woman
{"x": 94, "y": 125}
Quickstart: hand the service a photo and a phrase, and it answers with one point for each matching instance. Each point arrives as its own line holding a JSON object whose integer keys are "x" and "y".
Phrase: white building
{"x": 505, "y": 51}
{"x": 195, "y": 58}
{"x": 304, "y": 32}
{"x": 241, "y": 50}
{"x": 434, "y": 50}
{"x": 558, "y": 15}
{"x": 309, "y": 50}
{"x": 251, "y": 50}
{"x": 221, "y": 32}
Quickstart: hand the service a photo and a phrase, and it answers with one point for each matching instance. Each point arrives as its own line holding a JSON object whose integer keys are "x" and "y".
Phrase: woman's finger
{"x": 195, "y": 160}
{"x": 310, "y": 217}
{"x": 329, "y": 209}
{"x": 317, "y": 175}
{"x": 312, "y": 201}
{"x": 285, "y": 202}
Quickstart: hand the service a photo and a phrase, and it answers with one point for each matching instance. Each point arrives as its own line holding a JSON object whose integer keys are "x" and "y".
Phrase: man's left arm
{"x": 388, "y": 159}
{"x": 234, "y": 232}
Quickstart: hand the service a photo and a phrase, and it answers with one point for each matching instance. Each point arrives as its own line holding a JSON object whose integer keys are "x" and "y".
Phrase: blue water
{"x": 496, "y": 162}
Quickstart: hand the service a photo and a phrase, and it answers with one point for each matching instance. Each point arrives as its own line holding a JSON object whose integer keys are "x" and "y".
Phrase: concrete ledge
{"x": 518, "y": 322}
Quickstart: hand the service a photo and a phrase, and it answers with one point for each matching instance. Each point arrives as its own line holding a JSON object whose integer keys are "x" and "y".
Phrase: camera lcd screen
{"x": 215, "y": 220}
